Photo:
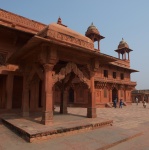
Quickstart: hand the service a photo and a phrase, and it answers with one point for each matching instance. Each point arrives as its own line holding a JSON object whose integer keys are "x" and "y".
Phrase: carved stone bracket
{"x": 70, "y": 67}
{"x": 130, "y": 87}
{"x": 48, "y": 67}
{"x": 2, "y": 59}
{"x": 48, "y": 54}
{"x": 100, "y": 85}
{"x": 29, "y": 71}
{"x": 121, "y": 86}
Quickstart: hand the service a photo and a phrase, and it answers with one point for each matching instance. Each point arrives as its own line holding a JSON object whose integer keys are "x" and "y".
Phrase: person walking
{"x": 115, "y": 103}
{"x": 121, "y": 103}
{"x": 144, "y": 104}
{"x": 137, "y": 100}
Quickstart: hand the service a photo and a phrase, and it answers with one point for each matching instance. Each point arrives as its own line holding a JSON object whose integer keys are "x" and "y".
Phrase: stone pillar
{"x": 91, "y": 110}
{"x": 9, "y": 91}
{"x": 47, "y": 116}
{"x": 98, "y": 45}
{"x": 119, "y": 55}
{"x": 25, "y": 98}
{"x": 125, "y": 55}
{"x": 32, "y": 98}
{"x": 36, "y": 92}
{"x": 110, "y": 95}
{"x": 125, "y": 95}
{"x": 119, "y": 95}
{"x": 64, "y": 99}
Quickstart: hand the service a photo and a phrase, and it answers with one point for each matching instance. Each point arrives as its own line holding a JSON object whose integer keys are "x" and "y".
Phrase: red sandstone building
{"x": 44, "y": 65}
{"x": 141, "y": 95}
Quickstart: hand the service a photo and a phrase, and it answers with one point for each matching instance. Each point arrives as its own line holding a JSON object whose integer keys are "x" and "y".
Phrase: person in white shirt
{"x": 137, "y": 100}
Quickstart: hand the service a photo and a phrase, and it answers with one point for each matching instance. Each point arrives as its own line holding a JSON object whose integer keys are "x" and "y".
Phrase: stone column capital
{"x": 48, "y": 67}
{"x": 92, "y": 74}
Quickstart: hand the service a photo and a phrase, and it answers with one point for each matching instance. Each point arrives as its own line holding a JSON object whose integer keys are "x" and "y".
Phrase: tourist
{"x": 121, "y": 103}
{"x": 137, "y": 100}
{"x": 115, "y": 103}
{"x": 144, "y": 104}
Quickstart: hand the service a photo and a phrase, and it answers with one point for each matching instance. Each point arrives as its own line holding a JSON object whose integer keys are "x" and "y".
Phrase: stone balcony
{"x": 115, "y": 81}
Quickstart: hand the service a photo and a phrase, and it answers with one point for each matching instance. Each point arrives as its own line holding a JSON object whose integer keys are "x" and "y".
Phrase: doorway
{"x": 71, "y": 95}
{"x": 17, "y": 92}
{"x": 114, "y": 94}
{"x": 2, "y": 91}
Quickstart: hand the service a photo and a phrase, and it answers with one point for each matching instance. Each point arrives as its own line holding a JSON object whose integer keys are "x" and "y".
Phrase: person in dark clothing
{"x": 121, "y": 103}
{"x": 115, "y": 102}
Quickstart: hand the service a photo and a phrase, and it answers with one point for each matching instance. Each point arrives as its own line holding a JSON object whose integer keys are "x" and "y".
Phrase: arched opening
{"x": 70, "y": 86}
{"x": 114, "y": 94}
{"x": 71, "y": 95}
{"x": 17, "y": 92}
{"x": 35, "y": 93}
{"x": 2, "y": 91}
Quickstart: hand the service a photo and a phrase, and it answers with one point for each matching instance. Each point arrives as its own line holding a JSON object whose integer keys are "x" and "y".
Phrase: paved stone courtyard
{"x": 130, "y": 131}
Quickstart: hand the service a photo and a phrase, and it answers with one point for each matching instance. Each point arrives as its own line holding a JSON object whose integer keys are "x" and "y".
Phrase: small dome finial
{"x": 59, "y": 21}
{"x": 123, "y": 44}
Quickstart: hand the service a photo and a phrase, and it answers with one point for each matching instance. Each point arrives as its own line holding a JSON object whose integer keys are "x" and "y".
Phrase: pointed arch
{"x": 35, "y": 70}
{"x": 71, "y": 67}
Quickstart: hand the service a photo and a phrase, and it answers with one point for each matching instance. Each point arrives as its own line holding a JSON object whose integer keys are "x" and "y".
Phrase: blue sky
{"x": 115, "y": 19}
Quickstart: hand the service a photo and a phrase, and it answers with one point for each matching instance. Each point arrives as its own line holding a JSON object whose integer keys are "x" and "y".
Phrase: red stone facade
{"x": 46, "y": 65}
{"x": 141, "y": 95}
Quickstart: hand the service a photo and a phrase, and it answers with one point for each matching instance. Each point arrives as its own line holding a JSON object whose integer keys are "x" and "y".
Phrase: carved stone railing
{"x": 19, "y": 20}
{"x": 115, "y": 81}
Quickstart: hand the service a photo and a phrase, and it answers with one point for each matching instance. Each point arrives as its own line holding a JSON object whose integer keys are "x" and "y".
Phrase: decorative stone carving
{"x": 69, "y": 68}
{"x": 48, "y": 54}
{"x": 18, "y": 20}
{"x": 121, "y": 87}
{"x": 2, "y": 59}
{"x": 129, "y": 87}
{"x": 69, "y": 39}
{"x": 42, "y": 55}
{"x": 29, "y": 71}
{"x": 113, "y": 85}
{"x": 48, "y": 67}
{"x": 100, "y": 85}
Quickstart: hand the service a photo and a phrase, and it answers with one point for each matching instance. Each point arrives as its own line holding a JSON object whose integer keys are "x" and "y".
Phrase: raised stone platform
{"x": 31, "y": 130}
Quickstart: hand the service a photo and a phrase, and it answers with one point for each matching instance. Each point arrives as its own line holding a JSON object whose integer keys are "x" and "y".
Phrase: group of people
{"x": 120, "y": 103}
{"x": 144, "y": 102}
{"x": 115, "y": 102}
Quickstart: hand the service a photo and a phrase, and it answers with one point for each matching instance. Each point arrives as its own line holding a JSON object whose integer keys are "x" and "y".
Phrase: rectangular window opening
{"x": 106, "y": 73}
{"x": 122, "y": 76}
{"x": 114, "y": 75}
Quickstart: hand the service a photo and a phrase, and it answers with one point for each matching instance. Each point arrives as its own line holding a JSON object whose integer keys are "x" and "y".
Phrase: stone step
{"x": 32, "y": 131}
{"x": 109, "y": 105}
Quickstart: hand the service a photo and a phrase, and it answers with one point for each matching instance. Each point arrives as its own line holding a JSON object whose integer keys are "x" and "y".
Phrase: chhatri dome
{"x": 123, "y": 49}
{"x": 93, "y": 33}
{"x": 123, "y": 44}
{"x": 92, "y": 30}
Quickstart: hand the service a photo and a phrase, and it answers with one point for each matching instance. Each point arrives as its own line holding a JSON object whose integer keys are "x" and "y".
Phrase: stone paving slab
{"x": 89, "y": 140}
{"x": 31, "y": 130}
{"x": 129, "y": 132}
